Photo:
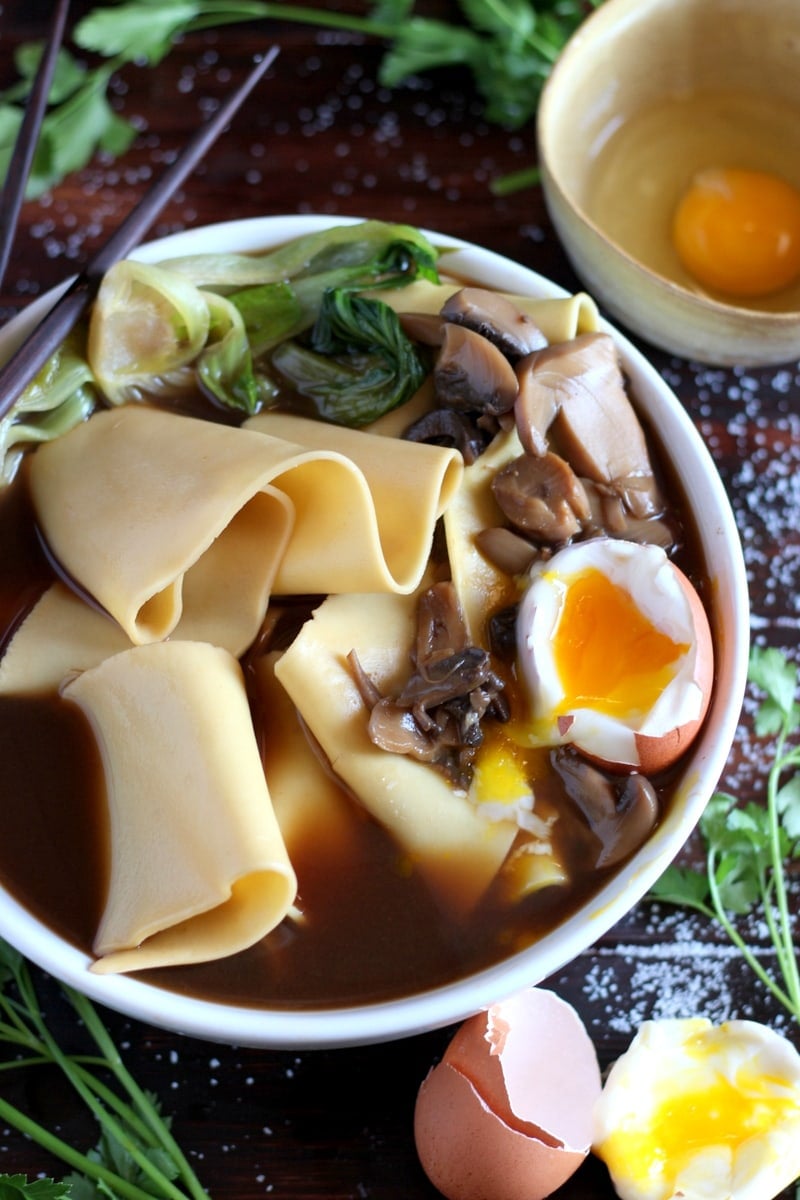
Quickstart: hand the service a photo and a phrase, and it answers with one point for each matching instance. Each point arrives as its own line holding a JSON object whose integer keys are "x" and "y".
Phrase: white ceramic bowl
{"x": 443, "y": 1005}
{"x": 629, "y": 57}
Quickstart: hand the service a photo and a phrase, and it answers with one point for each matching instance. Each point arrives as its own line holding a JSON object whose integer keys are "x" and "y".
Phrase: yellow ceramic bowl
{"x": 646, "y": 94}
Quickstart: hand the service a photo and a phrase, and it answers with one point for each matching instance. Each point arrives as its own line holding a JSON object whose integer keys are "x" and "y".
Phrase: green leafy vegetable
{"x": 136, "y": 1157}
{"x": 225, "y": 367}
{"x": 78, "y": 123}
{"x": 359, "y": 364}
{"x": 59, "y": 397}
{"x": 508, "y": 46}
{"x": 751, "y": 849}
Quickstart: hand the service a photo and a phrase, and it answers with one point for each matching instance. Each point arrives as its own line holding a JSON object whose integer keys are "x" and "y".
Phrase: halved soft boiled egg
{"x": 615, "y": 650}
{"x": 507, "y": 1113}
{"x": 697, "y": 1110}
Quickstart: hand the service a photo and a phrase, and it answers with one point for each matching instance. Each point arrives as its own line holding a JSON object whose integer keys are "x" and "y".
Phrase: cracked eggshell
{"x": 507, "y": 1113}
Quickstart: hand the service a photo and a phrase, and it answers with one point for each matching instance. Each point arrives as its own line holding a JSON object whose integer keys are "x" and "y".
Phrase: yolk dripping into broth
{"x": 738, "y": 232}
{"x": 608, "y": 655}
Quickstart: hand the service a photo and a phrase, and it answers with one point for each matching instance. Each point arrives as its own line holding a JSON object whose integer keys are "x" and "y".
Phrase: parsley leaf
{"x": 17, "y": 1187}
{"x": 508, "y": 46}
{"x": 751, "y": 848}
{"x": 136, "y": 1157}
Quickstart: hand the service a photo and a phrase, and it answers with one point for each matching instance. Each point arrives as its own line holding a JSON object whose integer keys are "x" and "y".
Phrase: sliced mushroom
{"x": 496, "y": 318}
{"x": 621, "y": 811}
{"x": 576, "y": 392}
{"x": 446, "y": 426}
{"x": 536, "y": 406}
{"x": 542, "y": 496}
{"x": 422, "y": 327}
{"x": 437, "y": 715}
{"x": 472, "y": 374}
{"x": 506, "y": 549}
{"x": 611, "y": 517}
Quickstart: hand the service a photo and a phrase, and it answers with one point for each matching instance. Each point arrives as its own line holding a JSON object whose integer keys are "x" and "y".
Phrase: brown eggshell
{"x": 657, "y": 753}
{"x": 507, "y": 1112}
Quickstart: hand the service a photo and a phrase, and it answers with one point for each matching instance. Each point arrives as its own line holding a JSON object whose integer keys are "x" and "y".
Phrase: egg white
{"x": 653, "y": 583}
{"x": 673, "y": 1062}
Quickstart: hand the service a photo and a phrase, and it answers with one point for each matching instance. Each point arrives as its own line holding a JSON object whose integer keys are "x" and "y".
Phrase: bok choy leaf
{"x": 225, "y": 368}
{"x": 59, "y": 397}
{"x": 385, "y": 253}
{"x": 358, "y": 365}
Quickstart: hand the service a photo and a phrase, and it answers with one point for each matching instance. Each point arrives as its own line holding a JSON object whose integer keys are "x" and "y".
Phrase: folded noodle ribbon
{"x": 438, "y": 829}
{"x": 198, "y": 867}
{"x": 181, "y": 528}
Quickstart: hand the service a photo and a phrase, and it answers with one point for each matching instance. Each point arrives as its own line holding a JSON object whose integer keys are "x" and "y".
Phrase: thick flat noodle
{"x": 169, "y": 523}
{"x": 310, "y": 806}
{"x": 436, "y": 828}
{"x": 560, "y": 319}
{"x": 184, "y": 528}
{"x": 409, "y": 486}
{"x": 198, "y": 867}
{"x": 481, "y": 586}
{"x": 61, "y": 635}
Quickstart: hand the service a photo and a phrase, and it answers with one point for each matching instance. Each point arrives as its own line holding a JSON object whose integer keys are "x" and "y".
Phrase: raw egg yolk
{"x": 738, "y": 232}
{"x": 716, "y": 1113}
{"x": 608, "y": 654}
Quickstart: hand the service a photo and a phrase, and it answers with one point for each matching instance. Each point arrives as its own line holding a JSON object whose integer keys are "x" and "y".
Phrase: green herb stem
{"x": 784, "y": 941}
{"x": 144, "y": 1106}
{"x": 73, "y": 1158}
{"x": 129, "y": 1120}
{"x": 346, "y": 22}
{"x": 737, "y": 940}
{"x": 750, "y": 848}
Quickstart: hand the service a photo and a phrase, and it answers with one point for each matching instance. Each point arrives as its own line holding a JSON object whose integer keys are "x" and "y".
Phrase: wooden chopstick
{"x": 68, "y": 309}
{"x": 19, "y": 167}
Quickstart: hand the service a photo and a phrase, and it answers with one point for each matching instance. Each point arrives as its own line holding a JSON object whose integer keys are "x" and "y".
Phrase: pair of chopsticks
{"x": 68, "y": 309}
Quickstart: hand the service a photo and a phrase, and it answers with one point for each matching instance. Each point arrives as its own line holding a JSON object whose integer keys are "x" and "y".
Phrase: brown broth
{"x": 371, "y": 930}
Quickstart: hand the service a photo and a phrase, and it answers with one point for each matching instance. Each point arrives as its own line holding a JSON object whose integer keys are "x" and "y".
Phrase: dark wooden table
{"x": 322, "y": 136}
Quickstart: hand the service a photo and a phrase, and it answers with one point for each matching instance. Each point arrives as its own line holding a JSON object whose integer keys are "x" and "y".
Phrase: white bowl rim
{"x": 421, "y": 1012}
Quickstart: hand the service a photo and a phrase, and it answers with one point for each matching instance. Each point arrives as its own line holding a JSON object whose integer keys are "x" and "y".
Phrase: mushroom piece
{"x": 621, "y": 811}
{"x": 506, "y": 549}
{"x": 610, "y": 516}
{"x": 437, "y": 715}
{"x": 422, "y": 327}
{"x": 471, "y": 374}
{"x": 446, "y": 426}
{"x": 542, "y": 496}
{"x": 496, "y": 318}
{"x": 576, "y": 392}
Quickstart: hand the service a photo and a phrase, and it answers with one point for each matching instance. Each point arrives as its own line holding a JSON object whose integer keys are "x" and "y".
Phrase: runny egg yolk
{"x": 715, "y": 1114}
{"x": 738, "y": 231}
{"x": 505, "y": 768}
{"x": 608, "y": 654}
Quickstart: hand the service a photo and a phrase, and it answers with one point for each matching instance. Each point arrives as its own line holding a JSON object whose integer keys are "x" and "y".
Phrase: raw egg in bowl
{"x": 394, "y": 639}
{"x": 671, "y": 173}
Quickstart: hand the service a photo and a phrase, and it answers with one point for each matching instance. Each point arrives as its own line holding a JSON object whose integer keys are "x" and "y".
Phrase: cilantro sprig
{"x": 508, "y": 46}
{"x": 136, "y": 1157}
{"x": 751, "y": 849}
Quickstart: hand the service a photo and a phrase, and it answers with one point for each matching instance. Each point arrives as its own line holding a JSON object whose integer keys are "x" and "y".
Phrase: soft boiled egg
{"x": 507, "y": 1112}
{"x": 697, "y": 1110}
{"x": 738, "y": 231}
{"x": 615, "y": 650}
